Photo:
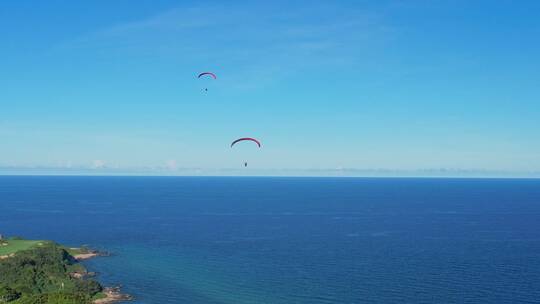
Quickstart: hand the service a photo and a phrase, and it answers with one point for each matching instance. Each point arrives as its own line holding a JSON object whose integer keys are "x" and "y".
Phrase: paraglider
{"x": 207, "y": 74}
{"x": 246, "y": 139}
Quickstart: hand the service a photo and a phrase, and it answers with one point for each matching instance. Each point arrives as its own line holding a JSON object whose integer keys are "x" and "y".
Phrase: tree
{"x": 7, "y": 294}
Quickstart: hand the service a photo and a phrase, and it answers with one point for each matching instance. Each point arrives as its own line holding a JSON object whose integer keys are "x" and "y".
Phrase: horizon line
{"x": 81, "y": 174}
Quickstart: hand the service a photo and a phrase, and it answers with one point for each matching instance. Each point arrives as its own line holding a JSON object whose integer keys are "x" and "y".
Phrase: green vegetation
{"x": 42, "y": 273}
{"x": 13, "y": 245}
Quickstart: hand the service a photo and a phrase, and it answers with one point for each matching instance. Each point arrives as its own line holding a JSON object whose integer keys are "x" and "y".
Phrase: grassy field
{"x": 17, "y": 245}
{"x": 10, "y": 246}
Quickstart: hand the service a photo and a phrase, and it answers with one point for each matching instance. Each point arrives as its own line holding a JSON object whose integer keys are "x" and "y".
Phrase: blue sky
{"x": 325, "y": 85}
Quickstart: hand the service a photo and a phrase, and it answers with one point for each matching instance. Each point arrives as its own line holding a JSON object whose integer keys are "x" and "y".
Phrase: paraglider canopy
{"x": 246, "y": 139}
{"x": 207, "y": 73}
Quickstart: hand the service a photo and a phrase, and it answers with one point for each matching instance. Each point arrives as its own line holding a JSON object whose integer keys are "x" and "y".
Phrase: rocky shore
{"x": 113, "y": 295}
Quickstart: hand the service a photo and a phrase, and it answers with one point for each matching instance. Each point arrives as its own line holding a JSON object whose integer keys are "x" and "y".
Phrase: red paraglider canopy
{"x": 248, "y": 139}
{"x": 207, "y": 73}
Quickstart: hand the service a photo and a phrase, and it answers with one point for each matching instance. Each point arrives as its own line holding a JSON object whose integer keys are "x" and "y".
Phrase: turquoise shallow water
{"x": 292, "y": 240}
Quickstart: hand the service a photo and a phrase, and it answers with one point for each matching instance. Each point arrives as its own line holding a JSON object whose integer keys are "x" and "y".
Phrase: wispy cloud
{"x": 258, "y": 41}
{"x": 98, "y": 164}
{"x": 172, "y": 165}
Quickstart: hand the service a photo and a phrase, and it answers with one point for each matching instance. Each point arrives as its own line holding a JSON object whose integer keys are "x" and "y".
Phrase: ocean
{"x": 235, "y": 240}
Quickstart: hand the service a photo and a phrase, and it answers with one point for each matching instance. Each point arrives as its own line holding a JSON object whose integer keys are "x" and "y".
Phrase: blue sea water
{"x": 218, "y": 240}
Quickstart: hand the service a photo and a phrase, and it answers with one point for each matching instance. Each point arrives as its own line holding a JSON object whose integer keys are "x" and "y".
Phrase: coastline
{"x": 86, "y": 256}
{"x": 64, "y": 257}
{"x": 111, "y": 294}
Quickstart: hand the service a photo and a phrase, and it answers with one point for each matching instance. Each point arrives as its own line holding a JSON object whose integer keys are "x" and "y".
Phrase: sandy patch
{"x": 6, "y": 256}
{"x": 85, "y": 256}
